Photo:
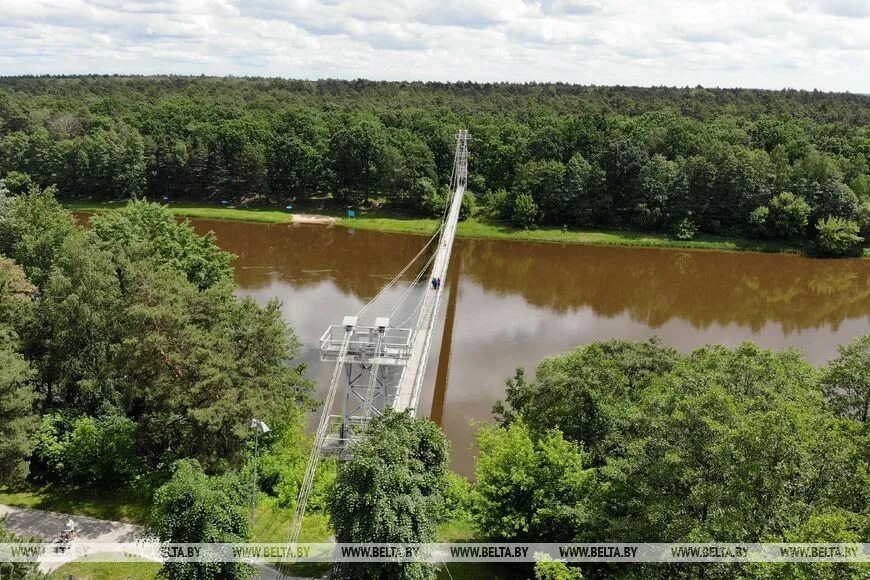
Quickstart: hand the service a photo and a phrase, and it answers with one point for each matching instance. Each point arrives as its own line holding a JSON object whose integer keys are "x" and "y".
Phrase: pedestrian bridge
{"x": 381, "y": 358}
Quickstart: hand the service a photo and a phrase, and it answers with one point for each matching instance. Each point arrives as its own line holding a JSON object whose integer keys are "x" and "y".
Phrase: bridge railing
{"x": 395, "y": 344}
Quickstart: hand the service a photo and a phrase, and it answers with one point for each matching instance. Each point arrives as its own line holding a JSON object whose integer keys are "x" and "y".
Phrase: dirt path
{"x": 310, "y": 218}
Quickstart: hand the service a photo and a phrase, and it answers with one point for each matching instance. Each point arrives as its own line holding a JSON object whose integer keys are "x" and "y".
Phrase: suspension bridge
{"x": 379, "y": 364}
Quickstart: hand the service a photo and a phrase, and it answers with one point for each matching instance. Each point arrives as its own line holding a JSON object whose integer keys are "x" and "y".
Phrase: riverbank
{"x": 471, "y": 228}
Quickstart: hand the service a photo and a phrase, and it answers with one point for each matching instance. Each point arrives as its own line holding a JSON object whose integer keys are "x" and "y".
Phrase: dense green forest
{"x": 786, "y": 165}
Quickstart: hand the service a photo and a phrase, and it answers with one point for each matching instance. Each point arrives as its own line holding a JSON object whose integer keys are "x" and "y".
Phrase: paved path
{"x": 48, "y": 525}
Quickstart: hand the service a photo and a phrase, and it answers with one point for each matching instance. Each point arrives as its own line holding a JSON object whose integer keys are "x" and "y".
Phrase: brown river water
{"x": 513, "y": 303}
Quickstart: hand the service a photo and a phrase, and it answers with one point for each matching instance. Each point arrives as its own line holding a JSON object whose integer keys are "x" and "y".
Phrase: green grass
{"x": 202, "y": 211}
{"x": 272, "y": 524}
{"x": 456, "y": 531}
{"x": 84, "y": 570}
{"x": 476, "y": 228}
{"x": 107, "y": 505}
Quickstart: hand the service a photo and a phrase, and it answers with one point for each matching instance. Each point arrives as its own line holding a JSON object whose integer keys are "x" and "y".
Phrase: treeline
{"x": 787, "y": 165}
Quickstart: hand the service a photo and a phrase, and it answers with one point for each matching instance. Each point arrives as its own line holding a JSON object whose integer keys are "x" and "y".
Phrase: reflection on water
{"x": 514, "y": 303}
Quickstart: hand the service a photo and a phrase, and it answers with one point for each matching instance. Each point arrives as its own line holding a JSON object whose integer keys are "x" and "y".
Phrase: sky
{"x": 804, "y": 44}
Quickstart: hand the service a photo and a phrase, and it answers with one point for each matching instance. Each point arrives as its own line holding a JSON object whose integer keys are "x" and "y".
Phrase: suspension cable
{"x": 412, "y": 285}
{"x": 401, "y": 273}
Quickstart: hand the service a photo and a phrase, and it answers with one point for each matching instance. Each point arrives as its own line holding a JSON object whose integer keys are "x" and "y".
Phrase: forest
{"x": 792, "y": 166}
{"x": 129, "y": 367}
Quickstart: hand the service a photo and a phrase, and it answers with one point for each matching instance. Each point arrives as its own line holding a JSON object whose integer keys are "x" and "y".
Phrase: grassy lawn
{"x": 202, "y": 211}
{"x": 456, "y": 531}
{"x": 117, "y": 505}
{"x": 381, "y": 220}
{"x": 84, "y": 570}
{"x": 475, "y": 228}
{"x": 272, "y": 524}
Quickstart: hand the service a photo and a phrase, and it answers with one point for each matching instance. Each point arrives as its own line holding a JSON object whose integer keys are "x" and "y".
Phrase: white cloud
{"x": 772, "y": 44}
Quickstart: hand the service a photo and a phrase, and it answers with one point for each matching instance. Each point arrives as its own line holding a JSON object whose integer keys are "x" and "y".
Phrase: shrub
{"x": 686, "y": 229}
{"x": 193, "y": 507}
{"x": 837, "y": 236}
{"x": 497, "y": 204}
{"x": 281, "y": 465}
{"x": 758, "y": 221}
{"x": 548, "y": 569}
{"x": 525, "y": 212}
{"x": 87, "y": 450}
{"x": 864, "y": 219}
{"x": 789, "y": 215}
{"x": 466, "y": 210}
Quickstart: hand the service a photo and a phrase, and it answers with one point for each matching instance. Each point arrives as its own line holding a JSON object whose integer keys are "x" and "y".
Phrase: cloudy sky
{"x": 808, "y": 44}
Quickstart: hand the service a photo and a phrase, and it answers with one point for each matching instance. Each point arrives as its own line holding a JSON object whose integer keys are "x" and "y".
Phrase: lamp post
{"x": 258, "y": 427}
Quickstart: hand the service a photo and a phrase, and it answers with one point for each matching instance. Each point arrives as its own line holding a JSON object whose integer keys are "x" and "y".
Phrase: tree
{"x": 789, "y": 216}
{"x": 525, "y": 211}
{"x": 864, "y": 219}
{"x": 548, "y": 569}
{"x": 622, "y": 160}
{"x": 657, "y": 181}
{"x": 16, "y": 297}
{"x": 391, "y": 492}
{"x": 837, "y": 236}
{"x": 543, "y": 181}
{"x": 79, "y": 322}
{"x": 530, "y": 490}
{"x": 846, "y": 380}
{"x": 356, "y": 160}
{"x": 861, "y": 187}
{"x": 145, "y": 230}
{"x": 588, "y": 202}
{"x": 33, "y": 227}
{"x": 584, "y": 393}
{"x": 198, "y": 364}
{"x": 693, "y": 444}
{"x": 17, "y": 419}
{"x": 18, "y": 570}
{"x": 195, "y": 508}
{"x": 17, "y": 397}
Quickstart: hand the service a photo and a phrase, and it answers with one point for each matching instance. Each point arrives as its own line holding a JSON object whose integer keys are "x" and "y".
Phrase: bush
{"x": 458, "y": 498}
{"x": 864, "y": 219}
{"x": 837, "y": 236}
{"x": 789, "y": 215}
{"x": 282, "y": 462}
{"x": 193, "y": 507}
{"x": 466, "y": 210}
{"x": 758, "y": 221}
{"x": 530, "y": 489}
{"x": 548, "y": 569}
{"x": 497, "y": 204}
{"x": 686, "y": 229}
{"x": 87, "y": 450}
{"x": 525, "y": 211}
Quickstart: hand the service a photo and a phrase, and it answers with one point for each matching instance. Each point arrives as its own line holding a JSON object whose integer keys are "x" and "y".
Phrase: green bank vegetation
{"x": 473, "y": 227}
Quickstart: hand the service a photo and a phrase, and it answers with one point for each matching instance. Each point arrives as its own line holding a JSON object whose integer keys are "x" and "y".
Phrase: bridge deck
{"x": 408, "y": 392}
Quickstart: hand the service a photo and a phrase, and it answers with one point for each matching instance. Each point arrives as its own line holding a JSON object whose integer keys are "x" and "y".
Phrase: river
{"x": 513, "y": 303}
